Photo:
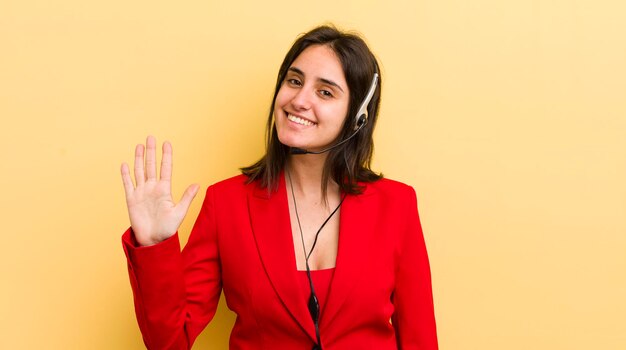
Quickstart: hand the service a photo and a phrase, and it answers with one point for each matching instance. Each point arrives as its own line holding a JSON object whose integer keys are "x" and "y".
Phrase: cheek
{"x": 282, "y": 98}
{"x": 334, "y": 115}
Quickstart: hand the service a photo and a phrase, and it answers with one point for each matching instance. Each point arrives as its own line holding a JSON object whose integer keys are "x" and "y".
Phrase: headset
{"x": 360, "y": 120}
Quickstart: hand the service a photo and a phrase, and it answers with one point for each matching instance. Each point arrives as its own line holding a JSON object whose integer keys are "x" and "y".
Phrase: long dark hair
{"x": 350, "y": 163}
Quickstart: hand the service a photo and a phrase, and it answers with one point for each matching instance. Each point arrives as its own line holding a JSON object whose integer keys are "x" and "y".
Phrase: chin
{"x": 290, "y": 141}
{"x": 297, "y": 141}
{"x": 295, "y": 145}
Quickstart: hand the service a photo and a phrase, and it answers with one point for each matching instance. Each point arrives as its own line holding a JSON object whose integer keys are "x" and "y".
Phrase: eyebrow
{"x": 325, "y": 81}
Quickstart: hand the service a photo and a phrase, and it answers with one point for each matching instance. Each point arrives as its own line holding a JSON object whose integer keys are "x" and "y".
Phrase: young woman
{"x": 312, "y": 249}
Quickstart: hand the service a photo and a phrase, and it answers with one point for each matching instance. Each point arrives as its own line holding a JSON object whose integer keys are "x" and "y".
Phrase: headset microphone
{"x": 360, "y": 121}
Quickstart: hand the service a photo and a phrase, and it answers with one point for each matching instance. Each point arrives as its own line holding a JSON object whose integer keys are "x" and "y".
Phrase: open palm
{"x": 153, "y": 214}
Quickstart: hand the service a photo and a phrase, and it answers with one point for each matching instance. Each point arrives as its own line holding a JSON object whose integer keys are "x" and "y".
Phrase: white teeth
{"x": 299, "y": 120}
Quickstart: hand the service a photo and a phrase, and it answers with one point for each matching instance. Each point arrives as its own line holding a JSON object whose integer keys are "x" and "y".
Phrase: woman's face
{"x": 312, "y": 102}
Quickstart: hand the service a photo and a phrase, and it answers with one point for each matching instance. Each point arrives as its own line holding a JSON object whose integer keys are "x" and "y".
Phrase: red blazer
{"x": 242, "y": 243}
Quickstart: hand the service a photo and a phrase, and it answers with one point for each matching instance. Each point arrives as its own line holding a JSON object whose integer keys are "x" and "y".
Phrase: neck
{"x": 305, "y": 171}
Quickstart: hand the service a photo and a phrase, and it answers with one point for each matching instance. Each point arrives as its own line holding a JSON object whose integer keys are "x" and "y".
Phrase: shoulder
{"x": 390, "y": 194}
{"x": 233, "y": 181}
{"x": 390, "y": 187}
{"x": 231, "y": 185}
{"x": 389, "y": 184}
{"x": 228, "y": 193}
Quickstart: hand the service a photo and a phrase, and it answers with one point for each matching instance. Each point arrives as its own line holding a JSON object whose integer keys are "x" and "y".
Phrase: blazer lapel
{"x": 355, "y": 241}
{"x": 269, "y": 216}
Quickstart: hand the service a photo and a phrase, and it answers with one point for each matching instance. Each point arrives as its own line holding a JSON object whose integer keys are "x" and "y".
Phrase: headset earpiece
{"x": 361, "y": 115}
{"x": 361, "y": 121}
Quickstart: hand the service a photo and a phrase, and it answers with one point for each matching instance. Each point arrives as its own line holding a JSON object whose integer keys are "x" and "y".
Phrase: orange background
{"x": 509, "y": 119}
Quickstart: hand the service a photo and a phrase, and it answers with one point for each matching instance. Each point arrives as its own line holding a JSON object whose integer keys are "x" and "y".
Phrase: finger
{"x": 188, "y": 196}
{"x": 151, "y": 158}
{"x": 140, "y": 177}
{"x": 128, "y": 182}
{"x": 166, "y": 162}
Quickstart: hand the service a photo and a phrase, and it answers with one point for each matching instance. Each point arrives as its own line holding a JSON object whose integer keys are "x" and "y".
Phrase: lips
{"x": 299, "y": 120}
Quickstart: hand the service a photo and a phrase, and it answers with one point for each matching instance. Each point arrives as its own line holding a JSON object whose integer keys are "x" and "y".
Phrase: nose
{"x": 302, "y": 100}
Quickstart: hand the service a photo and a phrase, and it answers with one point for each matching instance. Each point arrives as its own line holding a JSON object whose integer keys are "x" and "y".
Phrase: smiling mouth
{"x": 299, "y": 120}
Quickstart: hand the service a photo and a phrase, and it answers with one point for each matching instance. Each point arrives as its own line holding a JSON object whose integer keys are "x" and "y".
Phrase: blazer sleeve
{"x": 176, "y": 294}
{"x": 413, "y": 317}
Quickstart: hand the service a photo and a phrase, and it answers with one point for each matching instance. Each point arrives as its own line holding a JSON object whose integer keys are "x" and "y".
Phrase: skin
{"x": 307, "y": 94}
{"x": 154, "y": 216}
{"x": 315, "y": 89}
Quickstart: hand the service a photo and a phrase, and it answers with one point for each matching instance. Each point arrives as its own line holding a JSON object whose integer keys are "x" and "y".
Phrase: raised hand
{"x": 153, "y": 214}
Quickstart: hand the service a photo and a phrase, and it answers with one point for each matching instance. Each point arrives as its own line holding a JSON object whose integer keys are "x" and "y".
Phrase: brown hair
{"x": 350, "y": 163}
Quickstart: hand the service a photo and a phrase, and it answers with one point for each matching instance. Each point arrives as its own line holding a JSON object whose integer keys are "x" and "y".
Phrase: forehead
{"x": 320, "y": 62}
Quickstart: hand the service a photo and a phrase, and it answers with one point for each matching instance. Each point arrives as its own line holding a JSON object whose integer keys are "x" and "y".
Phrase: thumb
{"x": 188, "y": 196}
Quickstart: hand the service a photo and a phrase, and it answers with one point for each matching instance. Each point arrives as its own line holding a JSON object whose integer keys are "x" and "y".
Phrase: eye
{"x": 326, "y": 93}
{"x": 294, "y": 82}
